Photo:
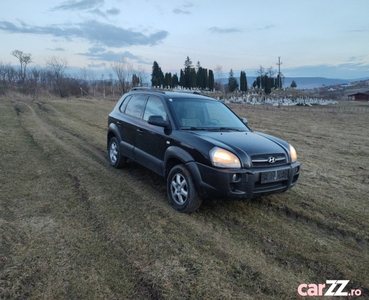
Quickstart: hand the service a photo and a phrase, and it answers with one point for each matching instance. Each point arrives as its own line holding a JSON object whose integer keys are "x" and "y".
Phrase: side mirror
{"x": 158, "y": 121}
{"x": 244, "y": 121}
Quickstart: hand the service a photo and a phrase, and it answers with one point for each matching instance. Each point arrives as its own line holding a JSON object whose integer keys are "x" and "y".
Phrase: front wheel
{"x": 181, "y": 190}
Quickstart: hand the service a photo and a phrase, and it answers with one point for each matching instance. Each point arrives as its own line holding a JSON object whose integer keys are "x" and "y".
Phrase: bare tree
{"x": 8, "y": 74}
{"x": 24, "y": 60}
{"x": 124, "y": 72}
{"x": 83, "y": 74}
{"x": 57, "y": 68}
{"x": 271, "y": 72}
{"x": 260, "y": 72}
{"x": 142, "y": 75}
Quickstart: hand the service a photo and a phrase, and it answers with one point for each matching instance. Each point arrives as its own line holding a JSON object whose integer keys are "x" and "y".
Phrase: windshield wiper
{"x": 212, "y": 128}
{"x": 224, "y": 129}
{"x": 194, "y": 128}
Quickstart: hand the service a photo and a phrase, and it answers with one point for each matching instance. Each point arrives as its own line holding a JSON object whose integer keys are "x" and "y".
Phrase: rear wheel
{"x": 115, "y": 157}
{"x": 181, "y": 190}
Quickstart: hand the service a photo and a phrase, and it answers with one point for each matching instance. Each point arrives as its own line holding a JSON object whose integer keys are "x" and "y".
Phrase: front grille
{"x": 262, "y": 160}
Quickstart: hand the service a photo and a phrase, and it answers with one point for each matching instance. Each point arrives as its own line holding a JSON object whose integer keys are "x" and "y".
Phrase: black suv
{"x": 201, "y": 147}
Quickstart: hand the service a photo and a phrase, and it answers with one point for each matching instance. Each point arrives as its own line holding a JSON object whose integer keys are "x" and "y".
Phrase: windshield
{"x": 202, "y": 114}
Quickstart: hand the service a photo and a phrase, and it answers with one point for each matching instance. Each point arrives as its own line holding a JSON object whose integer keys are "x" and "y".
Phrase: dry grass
{"x": 71, "y": 227}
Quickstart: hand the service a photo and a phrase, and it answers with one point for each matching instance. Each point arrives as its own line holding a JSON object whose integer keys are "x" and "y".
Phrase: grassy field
{"x": 72, "y": 227}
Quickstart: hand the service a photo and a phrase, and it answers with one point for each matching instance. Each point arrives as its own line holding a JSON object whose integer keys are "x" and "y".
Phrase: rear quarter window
{"x": 124, "y": 103}
{"x": 136, "y": 106}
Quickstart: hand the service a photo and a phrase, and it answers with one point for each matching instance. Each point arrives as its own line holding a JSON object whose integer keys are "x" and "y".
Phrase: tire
{"x": 115, "y": 157}
{"x": 181, "y": 190}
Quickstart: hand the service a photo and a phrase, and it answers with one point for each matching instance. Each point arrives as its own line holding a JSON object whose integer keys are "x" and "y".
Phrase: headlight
{"x": 293, "y": 154}
{"x": 224, "y": 159}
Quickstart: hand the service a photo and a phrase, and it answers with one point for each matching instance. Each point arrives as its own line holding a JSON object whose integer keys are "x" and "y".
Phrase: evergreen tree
{"x": 205, "y": 79}
{"x": 182, "y": 80}
{"x": 157, "y": 76}
{"x": 192, "y": 78}
{"x": 211, "y": 80}
{"x": 267, "y": 83}
{"x": 232, "y": 82}
{"x": 199, "y": 78}
{"x": 279, "y": 82}
{"x": 189, "y": 81}
{"x": 293, "y": 84}
{"x": 188, "y": 63}
{"x": 175, "y": 81}
{"x": 168, "y": 80}
{"x": 135, "y": 80}
{"x": 243, "y": 82}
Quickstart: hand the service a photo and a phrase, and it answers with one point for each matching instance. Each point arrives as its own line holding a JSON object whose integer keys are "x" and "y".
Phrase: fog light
{"x": 235, "y": 177}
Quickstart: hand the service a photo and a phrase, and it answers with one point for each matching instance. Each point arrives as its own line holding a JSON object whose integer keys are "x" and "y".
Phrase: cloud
{"x": 266, "y": 27}
{"x": 113, "y": 12}
{"x": 180, "y": 11}
{"x": 97, "y": 66}
{"x": 56, "y": 49}
{"x": 98, "y": 12}
{"x": 92, "y": 31}
{"x": 78, "y": 5}
{"x": 359, "y": 30}
{"x": 185, "y": 11}
{"x": 100, "y": 54}
{"x": 97, "y": 53}
{"x": 224, "y": 30}
{"x": 344, "y": 70}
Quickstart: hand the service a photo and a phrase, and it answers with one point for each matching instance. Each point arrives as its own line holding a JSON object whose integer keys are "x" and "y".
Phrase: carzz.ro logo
{"x": 335, "y": 289}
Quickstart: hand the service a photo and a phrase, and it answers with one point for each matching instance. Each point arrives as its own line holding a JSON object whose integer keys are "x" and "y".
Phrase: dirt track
{"x": 73, "y": 227}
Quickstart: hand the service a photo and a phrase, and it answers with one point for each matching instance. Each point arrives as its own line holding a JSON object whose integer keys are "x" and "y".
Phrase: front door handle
{"x": 139, "y": 130}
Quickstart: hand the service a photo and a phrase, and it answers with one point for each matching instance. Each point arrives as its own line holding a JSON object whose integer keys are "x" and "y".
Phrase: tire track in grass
{"x": 66, "y": 133}
{"x": 298, "y": 248}
{"x": 321, "y": 219}
{"x": 192, "y": 227}
{"x": 42, "y": 138}
{"x": 222, "y": 256}
{"x": 203, "y": 248}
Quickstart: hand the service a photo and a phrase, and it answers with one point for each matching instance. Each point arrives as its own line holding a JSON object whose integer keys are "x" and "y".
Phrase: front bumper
{"x": 241, "y": 183}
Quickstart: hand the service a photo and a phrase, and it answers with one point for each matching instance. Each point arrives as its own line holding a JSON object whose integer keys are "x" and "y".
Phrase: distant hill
{"x": 314, "y": 82}
{"x": 304, "y": 82}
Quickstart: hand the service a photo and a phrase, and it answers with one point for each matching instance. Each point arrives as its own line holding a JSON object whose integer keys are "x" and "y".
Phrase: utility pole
{"x": 103, "y": 84}
{"x": 279, "y": 72}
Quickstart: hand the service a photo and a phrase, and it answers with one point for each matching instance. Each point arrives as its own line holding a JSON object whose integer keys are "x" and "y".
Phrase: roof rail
{"x": 188, "y": 92}
{"x": 147, "y": 89}
{"x": 155, "y": 90}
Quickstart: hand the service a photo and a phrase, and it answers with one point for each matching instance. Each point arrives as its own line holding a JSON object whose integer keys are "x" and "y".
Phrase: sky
{"x": 313, "y": 38}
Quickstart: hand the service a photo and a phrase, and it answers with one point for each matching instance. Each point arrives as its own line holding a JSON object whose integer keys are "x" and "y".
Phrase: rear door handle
{"x": 139, "y": 130}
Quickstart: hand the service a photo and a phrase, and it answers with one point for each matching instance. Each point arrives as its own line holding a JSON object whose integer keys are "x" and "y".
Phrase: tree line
{"x": 53, "y": 78}
{"x": 190, "y": 77}
{"x": 194, "y": 77}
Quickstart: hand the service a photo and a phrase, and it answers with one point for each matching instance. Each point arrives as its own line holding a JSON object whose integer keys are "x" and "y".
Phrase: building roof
{"x": 360, "y": 93}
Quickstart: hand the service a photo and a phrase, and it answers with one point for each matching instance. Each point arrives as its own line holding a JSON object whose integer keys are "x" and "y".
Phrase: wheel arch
{"x": 112, "y": 131}
{"x": 174, "y": 156}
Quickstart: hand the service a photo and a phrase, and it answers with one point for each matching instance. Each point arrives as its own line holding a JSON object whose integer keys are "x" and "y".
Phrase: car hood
{"x": 245, "y": 144}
